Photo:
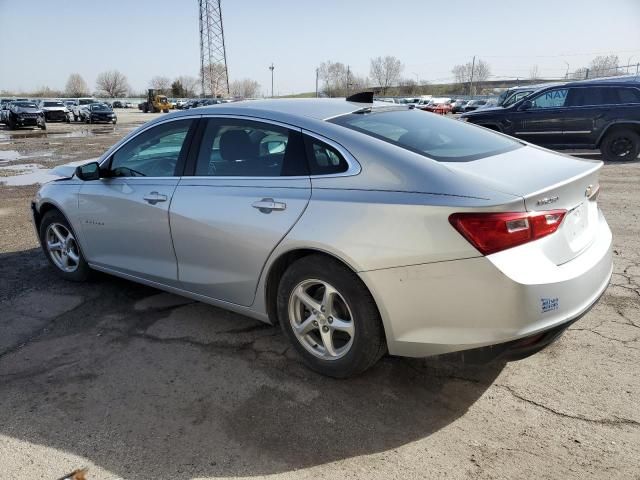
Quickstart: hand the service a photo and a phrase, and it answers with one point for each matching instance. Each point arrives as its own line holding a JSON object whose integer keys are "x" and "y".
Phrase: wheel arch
{"x": 631, "y": 124}
{"x": 279, "y": 265}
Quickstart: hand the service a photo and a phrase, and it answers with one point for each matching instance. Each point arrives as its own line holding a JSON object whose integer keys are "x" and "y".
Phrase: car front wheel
{"x": 61, "y": 247}
{"x": 620, "y": 145}
{"x": 330, "y": 317}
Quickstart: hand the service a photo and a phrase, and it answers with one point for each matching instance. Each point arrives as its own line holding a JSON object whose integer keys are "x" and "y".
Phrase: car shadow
{"x": 194, "y": 391}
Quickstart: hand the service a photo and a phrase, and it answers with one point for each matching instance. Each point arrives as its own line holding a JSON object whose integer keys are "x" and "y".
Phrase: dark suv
{"x": 590, "y": 114}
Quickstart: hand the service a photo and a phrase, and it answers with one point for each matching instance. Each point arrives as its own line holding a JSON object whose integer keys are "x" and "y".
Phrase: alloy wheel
{"x": 62, "y": 247}
{"x": 321, "y": 319}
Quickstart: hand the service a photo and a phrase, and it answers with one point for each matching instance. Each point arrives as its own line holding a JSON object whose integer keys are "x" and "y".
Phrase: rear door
{"x": 249, "y": 186}
{"x": 585, "y": 107}
{"x": 543, "y": 122}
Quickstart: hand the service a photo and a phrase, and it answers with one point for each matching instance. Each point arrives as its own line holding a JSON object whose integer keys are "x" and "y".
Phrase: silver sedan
{"x": 361, "y": 228}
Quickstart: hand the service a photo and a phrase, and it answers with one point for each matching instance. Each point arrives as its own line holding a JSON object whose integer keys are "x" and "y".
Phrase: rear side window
{"x": 433, "y": 136}
{"x": 243, "y": 148}
{"x": 628, "y": 95}
{"x": 323, "y": 158}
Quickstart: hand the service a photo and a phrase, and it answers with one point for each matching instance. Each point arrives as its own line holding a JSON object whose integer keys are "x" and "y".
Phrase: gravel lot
{"x": 138, "y": 384}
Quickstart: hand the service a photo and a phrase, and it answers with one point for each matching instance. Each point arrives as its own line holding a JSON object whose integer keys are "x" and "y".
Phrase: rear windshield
{"x": 433, "y": 136}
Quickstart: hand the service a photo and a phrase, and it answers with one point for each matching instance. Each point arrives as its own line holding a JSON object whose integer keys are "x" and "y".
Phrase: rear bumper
{"x": 466, "y": 304}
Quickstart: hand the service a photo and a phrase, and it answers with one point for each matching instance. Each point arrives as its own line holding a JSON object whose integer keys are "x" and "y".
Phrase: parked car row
{"x": 36, "y": 113}
{"x": 197, "y": 102}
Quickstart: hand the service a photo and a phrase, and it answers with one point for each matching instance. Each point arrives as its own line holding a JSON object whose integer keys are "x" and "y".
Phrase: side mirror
{"x": 526, "y": 105}
{"x": 89, "y": 171}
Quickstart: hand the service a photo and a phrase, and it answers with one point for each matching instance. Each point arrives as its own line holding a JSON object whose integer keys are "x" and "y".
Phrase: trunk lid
{"x": 546, "y": 181}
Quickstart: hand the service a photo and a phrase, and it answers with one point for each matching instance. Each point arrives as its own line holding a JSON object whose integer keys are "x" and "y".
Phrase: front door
{"x": 543, "y": 122}
{"x": 249, "y": 186}
{"x": 124, "y": 217}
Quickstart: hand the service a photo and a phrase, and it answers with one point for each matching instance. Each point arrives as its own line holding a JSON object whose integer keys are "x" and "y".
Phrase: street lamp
{"x": 271, "y": 68}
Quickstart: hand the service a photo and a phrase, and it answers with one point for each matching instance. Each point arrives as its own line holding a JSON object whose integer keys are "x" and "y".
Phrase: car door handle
{"x": 154, "y": 197}
{"x": 267, "y": 205}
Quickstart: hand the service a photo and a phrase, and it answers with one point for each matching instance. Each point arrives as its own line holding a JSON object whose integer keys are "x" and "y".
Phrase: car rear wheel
{"x": 330, "y": 317}
{"x": 61, "y": 247}
{"x": 620, "y": 145}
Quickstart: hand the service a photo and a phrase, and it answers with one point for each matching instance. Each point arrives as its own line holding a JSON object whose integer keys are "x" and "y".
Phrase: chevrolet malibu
{"x": 361, "y": 228}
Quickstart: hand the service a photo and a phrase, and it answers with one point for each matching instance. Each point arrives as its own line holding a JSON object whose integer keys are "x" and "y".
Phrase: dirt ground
{"x": 137, "y": 384}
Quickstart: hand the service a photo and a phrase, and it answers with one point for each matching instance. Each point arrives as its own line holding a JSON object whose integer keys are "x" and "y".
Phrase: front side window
{"x": 153, "y": 153}
{"x": 550, "y": 99}
{"x": 433, "y": 136}
{"x": 243, "y": 148}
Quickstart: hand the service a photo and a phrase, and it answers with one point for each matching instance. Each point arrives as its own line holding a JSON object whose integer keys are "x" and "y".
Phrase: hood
{"x": 26, "y": 110}
{"x": 68, "y": 169}
{"x": 54, "y": 109}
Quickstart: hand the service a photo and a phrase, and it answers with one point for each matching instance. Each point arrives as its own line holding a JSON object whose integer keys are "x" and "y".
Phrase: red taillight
{"x": 493, "y": 232}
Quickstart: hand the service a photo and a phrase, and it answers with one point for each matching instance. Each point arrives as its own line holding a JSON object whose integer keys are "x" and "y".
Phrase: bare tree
{"x": 215, "y": 75}
{"x": 112, "y": 83}
{"x": 334, "y": 77}
{"x": 533, "y": 72}
{"x": 189, "y": 85}
{"x": 76, "y": 86}
{"x": 471, "y": 72}
{"x": 245, "y": 88}
{"x": 385, "y": 71}
{"x": 408, "y": 86}
{"x": 160, "y": 84}
{"x": 604, "y": 66}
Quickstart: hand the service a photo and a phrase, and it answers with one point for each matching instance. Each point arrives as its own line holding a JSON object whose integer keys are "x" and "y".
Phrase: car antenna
{"x": 361, "y": 97}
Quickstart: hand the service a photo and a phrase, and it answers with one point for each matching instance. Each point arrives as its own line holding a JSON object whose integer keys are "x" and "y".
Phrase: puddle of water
{"x": 9, "y": 155}
{"x": 33, "y": 173}
{"x": 28, "y": 174}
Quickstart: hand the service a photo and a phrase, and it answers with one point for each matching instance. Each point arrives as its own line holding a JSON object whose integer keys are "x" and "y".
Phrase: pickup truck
{"x": 80, "y": 103}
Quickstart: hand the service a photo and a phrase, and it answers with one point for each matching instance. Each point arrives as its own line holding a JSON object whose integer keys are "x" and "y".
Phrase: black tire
{"x": 82, "y": 272}
{"x": 165, "y": 111}
{"x": 43, "y": 126}
{"x": 11, "y": 123}
{"x": 114, "y": 122}
{"x": 368, "y": 341}
{"x": 621, "y": 144}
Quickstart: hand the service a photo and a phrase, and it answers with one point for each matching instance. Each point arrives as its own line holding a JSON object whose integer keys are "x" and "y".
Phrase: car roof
{"x": 624, "y": 80}
{"x": 314, "y": 108}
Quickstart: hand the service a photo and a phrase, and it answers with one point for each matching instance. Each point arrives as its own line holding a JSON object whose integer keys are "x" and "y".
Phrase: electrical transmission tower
{"x": 214, "y": 75}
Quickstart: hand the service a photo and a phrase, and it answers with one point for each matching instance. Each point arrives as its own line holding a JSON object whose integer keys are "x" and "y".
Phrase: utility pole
{"x": 566, "y": 75}
{"x": 317, "y": 73}
{"x": 473, "y": 66}
{"x": 271, "y": 68}
{"x": 348, "y": 72}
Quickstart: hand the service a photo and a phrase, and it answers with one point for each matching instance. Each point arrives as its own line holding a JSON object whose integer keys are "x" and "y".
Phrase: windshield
{"x": 100, "y": 107}
{"x": 85, "y": 101}
{"x": 433, "y": 136}
{"x": 53, "y": 104}
{"x": 25, "y": 104}
{"x": 516, "y": 97}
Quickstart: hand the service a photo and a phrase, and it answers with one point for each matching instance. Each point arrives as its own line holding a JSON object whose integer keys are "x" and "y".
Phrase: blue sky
{"x": 144, "y": 38}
